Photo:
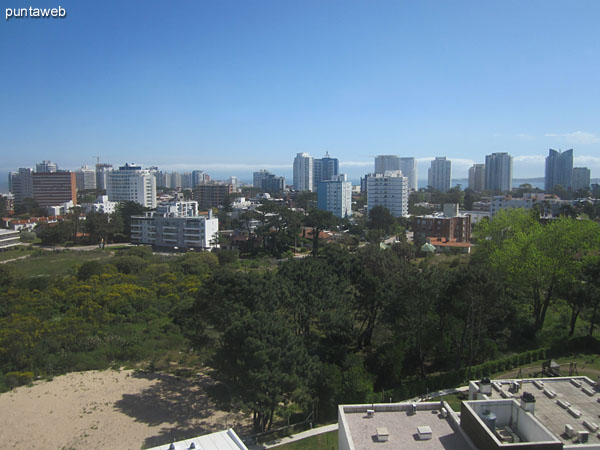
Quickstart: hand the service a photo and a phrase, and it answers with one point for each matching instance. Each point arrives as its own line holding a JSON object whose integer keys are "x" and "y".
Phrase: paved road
{"x": 295, "y": 437}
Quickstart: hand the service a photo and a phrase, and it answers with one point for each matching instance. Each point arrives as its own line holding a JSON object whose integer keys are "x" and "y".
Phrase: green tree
{"x": 536, "y": 258}
{"x": 380, "y": 218}
{"x": 127, "y": 209}
{"x": 319, "y": 221}
{"x": 264, "y": 365}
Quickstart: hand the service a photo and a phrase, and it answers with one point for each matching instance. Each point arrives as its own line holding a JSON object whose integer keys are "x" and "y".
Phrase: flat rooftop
{"x": 221, "y": 440}
{"x": 583, "y": 398}
{"x": 402, "y": 427}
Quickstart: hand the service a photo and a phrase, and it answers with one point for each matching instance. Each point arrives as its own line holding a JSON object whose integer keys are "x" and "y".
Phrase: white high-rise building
{"x": 85, "y": 178}
{"x": 258, "y": 177}
{"x": 386, "y": 163}
{"x": 46, "y": 166}
{"x": 199, "y": 177}
{"x": 440, "y": 174}
{"x": 477, "y": 177}
{"x": 303, "y": 172}
{"x": 102, "y": 171}
{"x": 408, "y": 166}
{"x": 335, "y": 196}
{"x": 389, "y": 190}
{"x": 234, "y": 182}
{"x": 20, "y": 184}
{"x": 131, "y": 183}
{"x": 498, "y": 172}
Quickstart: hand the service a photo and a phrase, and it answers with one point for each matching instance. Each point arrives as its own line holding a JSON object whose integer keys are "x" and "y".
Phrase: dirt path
{"x": 14, "y": 259}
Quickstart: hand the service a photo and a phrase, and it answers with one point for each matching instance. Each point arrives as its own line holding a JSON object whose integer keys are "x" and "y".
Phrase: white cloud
{"x": 356, "y": 163}
{"x": 531, "y": 159}
{"x": 456, "y": 162}
{"x": 223, "y": 166}
{"x": 588, "y": 161}
{"x": 577, "y": 137}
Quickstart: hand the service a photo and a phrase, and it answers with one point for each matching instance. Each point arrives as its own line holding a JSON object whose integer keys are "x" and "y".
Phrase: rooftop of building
{"x": 402, "y": 425}
{"x": 560, "y": 401}
{"x": 222, "y": 440}
{"x": 445, "y": 242}
{"x": 558, "y": 404}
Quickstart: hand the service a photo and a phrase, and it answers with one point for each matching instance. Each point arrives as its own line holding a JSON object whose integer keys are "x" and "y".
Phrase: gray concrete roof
{"x": 402, "y": 427}
{"x": 553, "y": 416}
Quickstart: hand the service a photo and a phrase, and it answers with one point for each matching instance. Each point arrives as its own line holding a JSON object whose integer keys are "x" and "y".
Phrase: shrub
{"x": 14, "y": 379}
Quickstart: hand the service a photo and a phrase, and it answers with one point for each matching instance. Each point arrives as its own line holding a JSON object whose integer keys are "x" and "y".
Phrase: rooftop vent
{"x": 383, "y": 434}
{"x": 370, "y": 413}
{"x": 550, "y": 393}
{"x": 528, "y": 402}
{"x": 569, "y": 431}
{"x": 583, "y": 437}
{"x": 588, "y": 391}
{"x": 485, "y": 386}
{"x": 424, "y": 433}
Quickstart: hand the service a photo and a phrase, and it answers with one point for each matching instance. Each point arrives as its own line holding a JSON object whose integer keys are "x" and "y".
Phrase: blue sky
{"x": 233, "y": 86}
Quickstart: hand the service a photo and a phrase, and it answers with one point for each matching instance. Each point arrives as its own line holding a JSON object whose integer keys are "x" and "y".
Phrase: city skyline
{"x": 256, "y": 84}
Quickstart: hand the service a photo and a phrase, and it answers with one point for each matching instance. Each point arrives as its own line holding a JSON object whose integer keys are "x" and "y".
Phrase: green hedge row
{"x": 455, "y": 378}
{"x": 459, "y": 377}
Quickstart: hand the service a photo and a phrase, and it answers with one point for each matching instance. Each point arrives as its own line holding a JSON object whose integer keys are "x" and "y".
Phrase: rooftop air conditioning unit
{"x": 583, "y": 437}
{"x": 569, "y": 431}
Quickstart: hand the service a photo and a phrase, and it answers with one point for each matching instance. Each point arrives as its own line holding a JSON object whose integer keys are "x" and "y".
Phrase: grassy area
{"x": 325, "y": 441}
{"x": 52, "y": 263}
{"x": 454, "y": 400}
{"x": 15, "y": 253}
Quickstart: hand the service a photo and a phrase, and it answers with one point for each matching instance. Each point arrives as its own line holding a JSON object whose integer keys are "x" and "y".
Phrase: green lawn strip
{"x": 453, "y": 400}
{"x": 56, "y": 263}
{"x": 325, "y": 441}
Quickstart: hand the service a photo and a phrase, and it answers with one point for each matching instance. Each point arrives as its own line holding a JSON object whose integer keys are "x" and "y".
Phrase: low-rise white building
{"x": 102, "y": 205}
{"x": 9, "y": 239}
{"x": 176, "y": 226}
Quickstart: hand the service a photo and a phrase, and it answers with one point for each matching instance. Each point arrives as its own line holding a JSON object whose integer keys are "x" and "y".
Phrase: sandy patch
{"x": 109, "y": 409}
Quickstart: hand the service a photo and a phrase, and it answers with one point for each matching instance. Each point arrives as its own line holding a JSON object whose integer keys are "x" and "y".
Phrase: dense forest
{"x": 303, "y": 335}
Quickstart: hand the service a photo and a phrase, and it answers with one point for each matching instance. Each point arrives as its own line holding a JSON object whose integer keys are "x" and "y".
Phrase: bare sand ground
{"x": 110, "y": 409}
